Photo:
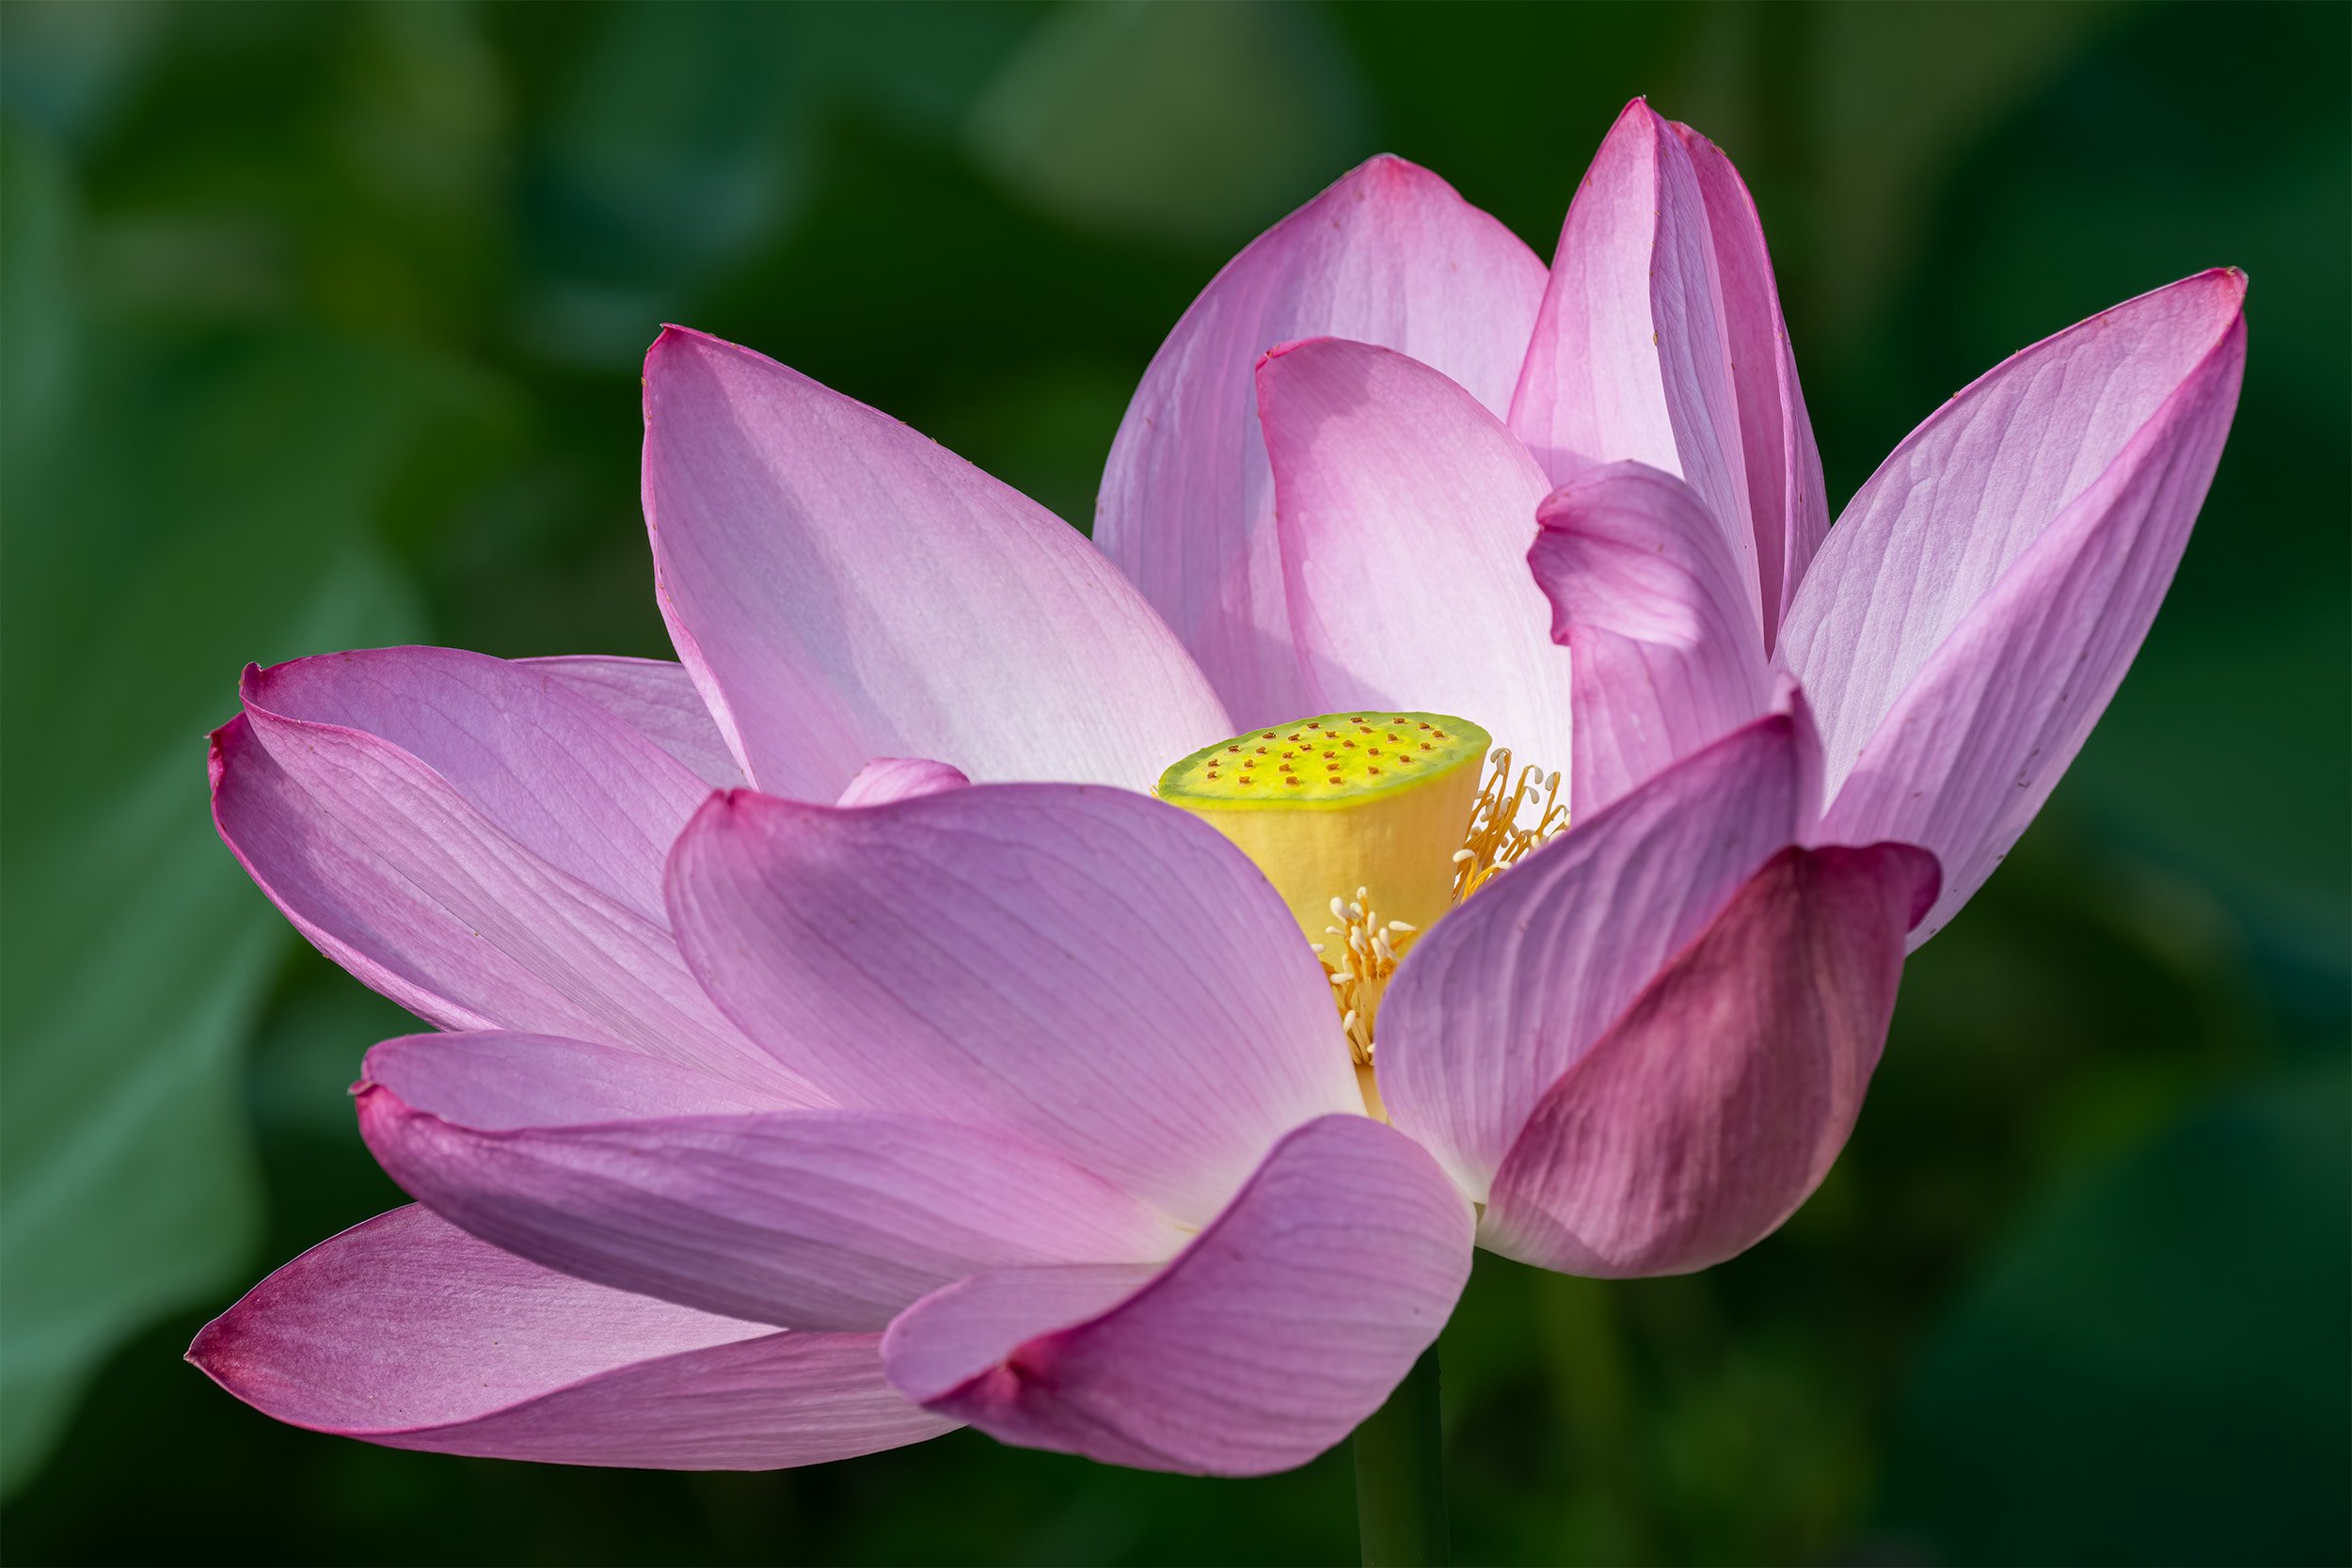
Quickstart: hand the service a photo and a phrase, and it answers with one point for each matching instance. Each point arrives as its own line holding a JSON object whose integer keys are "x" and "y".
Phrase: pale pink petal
{"x": 809, "y": 1219}
{"x": 1715, "y": 1106}
{"x": 887, "y": 779}
{"x": 405, "y": 1331}
{"x": 1979, "y": 601}
{"x": 1285, "y": 1324}
{"x": 1788, "y": 503}
{"x": 1507, "y": 992}
{"x": 1647, "y": 598}
{"x": 843, "y": 587}
{"x": 1630, "y": 359}
{"x": 1083, "y": 967}
{"x": 659, "y": 698}
{"x": 1406, "y": 511}
{"x": 1389, "y": 255}
{"x": 395, "y": 875}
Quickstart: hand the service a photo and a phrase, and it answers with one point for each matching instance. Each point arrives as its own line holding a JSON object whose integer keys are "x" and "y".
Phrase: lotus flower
{"x": 842, "y": 1042}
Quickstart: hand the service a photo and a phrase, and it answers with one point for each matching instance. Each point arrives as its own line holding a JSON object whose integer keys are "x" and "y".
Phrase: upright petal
{"x": 659, "y": 698}
{"x": 572, "y": 1156}
{"x": 1630, "y": 359}
{"x": 1788, "y": 504}
{"x": 1715, "y": 1106}
{"x": 843, "y": 587}
{"x": 495, "y": 878}
{"x": 1406, "y": 511}
{"x": 1979, "y": 601}
{"x": 1285, "y": 1324}
{"x": 887, "y": 779}
{"x": 405, "y": 1331}
{"x": 1084, "y": 968}
{"x": 1389, "y": 255}
{"x": 1665, "y": 644}
{"x": 1506, "y": 994}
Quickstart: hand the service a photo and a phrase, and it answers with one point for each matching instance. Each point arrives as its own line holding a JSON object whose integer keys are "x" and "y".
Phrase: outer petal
{"x": 1389, "y": 255}
{"x": 1717, "y": 1105}
{"x": 844, "y": 589}
{"x": 1631, "y": 357}
{"x": 1506, "y": 994}
{"x": 444, "y": 897}
{"x": 659, "y": 698}
{"x": 1086, "y": 968}
{"x": 1405, "y": 512}
{"x": 1788, "y": 503}
{"x": 811, "y": 1219}
{"x": 1282, "y": 1327}
{"x": 1665, "y": 645}
{"x": 887, "y": 779}
{"x": 405, "y": 1331}
{"x": 1979, "y": 601}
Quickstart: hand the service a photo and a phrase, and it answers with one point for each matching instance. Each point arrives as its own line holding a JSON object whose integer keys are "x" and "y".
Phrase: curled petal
{"x": 842, "y": 588}
{"x": 1715, "y": 1106}
{"x": 1389, "y": 255}
{"x": 407, "y": 1332}
{"x": 887, "y": 779}
{"x": 1285, "y": 1324}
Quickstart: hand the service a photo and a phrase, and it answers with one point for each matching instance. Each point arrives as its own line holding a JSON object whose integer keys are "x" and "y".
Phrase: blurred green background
{"x": 321, "y": 326}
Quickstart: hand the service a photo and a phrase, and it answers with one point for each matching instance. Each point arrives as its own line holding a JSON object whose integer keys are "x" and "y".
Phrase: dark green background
{"x": 321, "y": 326}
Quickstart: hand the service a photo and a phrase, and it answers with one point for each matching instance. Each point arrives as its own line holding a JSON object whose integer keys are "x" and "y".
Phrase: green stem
{"x": 1400, "y": 1475}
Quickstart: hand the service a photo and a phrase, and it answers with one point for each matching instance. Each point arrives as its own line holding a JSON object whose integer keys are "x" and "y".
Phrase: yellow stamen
{"x": 1495, "y": 837}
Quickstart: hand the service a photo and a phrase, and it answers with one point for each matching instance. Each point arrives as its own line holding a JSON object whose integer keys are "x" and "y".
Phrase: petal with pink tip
{"x": 1715, "y": 1106}
{"x": 887, "y": 779}
{"x": 1406, "y": 511}
{"x": 440, "y": 888}
{"x": 1084, "y": 968}
{"x": 1389, "y": 255}
{"x": 1284, "y": 1325}
{"x": 1647, "y": 596}
{"x": 843, "y": 587}
{"x": 657, "y": 696}
{"x": 1981, "y": 598}
{"x": 1630, "y": 359}
{"x": 1504, "y": 994}
{"x": 1787, "y": 503}
{"x": 407, "y": 1332}
{"x": 808, "y": 1219}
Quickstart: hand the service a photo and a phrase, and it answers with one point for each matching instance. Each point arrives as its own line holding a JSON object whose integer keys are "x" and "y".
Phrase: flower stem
{"x": 1400, "y": 1475}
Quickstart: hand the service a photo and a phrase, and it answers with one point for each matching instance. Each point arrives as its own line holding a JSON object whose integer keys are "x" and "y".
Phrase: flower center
{"x": 1340, "y": 807}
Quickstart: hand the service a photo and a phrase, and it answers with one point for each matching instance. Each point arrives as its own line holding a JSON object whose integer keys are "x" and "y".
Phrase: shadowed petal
{"x": 810, "y": 1219}
{"x": 1389, "y": 255}
{"x": 1405, "y": 514}
{"x": 1086, "y": 968}
{"x": 405, "y": 1331}
{"x": 843, "y": 587}
{"x": 1290, "y": 1319}
{"x": 1504, "y": 994}
{"x": 1665, "y": 646}
{"x": 1716, "y": 1105}
{"x": 659, "y": 698}
{"x": 1979, "y": 601}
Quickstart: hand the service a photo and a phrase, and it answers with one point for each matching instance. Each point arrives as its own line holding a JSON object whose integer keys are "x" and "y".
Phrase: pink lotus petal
{"x": 1389, "y": 255}
{"x": 843, "y": 587}
{"x": 1083, "y": 967}
{"x": 1713, "y": 1110}
{"x": 401, "y": 878}
{"x": 1285, "y": 1324}
{"x": 1787, "y": 503}
{"x": 1979, "y": 601}
{"x": 1647, "y": 596}
{"x": 1630, "y": 359}
{"x": 1405, "y": 514}
{"x": 659, "y": 698}
{"x": 887, "y": 779}
{"x": 405, "y": 1331}
{"x": 809, "y": 1219}
{"x": 1507, "y": 993}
